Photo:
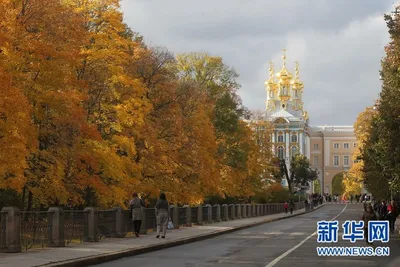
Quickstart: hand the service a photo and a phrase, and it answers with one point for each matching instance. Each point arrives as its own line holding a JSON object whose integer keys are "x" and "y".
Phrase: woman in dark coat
{"x": 136, "y": 205}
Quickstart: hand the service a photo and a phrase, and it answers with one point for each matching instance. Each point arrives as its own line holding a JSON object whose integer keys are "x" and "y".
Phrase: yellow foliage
{"x": 88, "y": 114}
{"x": 354, "y": 178}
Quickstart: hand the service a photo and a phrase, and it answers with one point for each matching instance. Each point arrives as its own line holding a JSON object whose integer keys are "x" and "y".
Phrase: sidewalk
{"x": 115, "y": 248}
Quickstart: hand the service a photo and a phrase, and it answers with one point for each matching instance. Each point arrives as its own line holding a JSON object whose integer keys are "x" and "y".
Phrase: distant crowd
{"x": 337, "y": 198}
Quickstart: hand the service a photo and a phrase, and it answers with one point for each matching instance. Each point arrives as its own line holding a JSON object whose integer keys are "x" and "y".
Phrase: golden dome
{"x": 270, "y": 83}
{"x": 297, "y": 84}
{"x": 284, "y": 74}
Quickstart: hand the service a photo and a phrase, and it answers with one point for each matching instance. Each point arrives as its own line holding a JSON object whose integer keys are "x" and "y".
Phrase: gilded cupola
{"x": 284, "y": 90}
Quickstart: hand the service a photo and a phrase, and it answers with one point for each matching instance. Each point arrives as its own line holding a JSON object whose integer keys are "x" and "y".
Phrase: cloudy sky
{"x": 338, "y": 43}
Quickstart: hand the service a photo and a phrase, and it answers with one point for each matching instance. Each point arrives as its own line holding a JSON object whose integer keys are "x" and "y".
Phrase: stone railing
{"x": 23, "y": 230}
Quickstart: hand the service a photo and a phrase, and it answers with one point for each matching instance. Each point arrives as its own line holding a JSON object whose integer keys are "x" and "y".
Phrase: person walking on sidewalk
{"x": 291, "y": 205}
{"x": 369, "y": 215}
{"x": 286, "y": 206}
{"x": 392, "y": 215}
{"x": 382, "y": 211}
{"x": 162, "y": 215}
{"x": 136, "y": 205}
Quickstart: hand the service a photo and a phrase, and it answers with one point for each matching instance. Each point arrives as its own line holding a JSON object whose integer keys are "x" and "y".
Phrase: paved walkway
{"x": 112, "y": 248}
{"x": 285, "y": 243}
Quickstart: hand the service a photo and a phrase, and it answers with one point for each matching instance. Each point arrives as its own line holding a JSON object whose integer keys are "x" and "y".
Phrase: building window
{"x": 281, "y": 152}
{"x": 336, "y": 145}
{"x": 346, "y": 160}
{"x": 294, "y": 150}
{"x": 355, "y": 145}
{"x": 315, "y": 160}
{"x": 280, "y": 138}
{"x": 294, "y": 138}
{"x": 315, "y": 146}
{"x": 346, "y": 145}
{"x": 335, "y": 160}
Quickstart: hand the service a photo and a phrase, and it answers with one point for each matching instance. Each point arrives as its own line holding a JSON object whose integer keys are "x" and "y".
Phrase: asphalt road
{"x": 282, "y": 243}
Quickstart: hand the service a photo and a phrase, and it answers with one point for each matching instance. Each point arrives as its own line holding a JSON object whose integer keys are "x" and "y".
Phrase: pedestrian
{"x": 291, "y": 205}
{"x": 382, "y": 210}
{"x": 369, "y": 215}
{"x": 162, "y": 215}
{"x": 392, "y": 215}
{"x": 286, "y": 206}
{"x": 136, "y": 205}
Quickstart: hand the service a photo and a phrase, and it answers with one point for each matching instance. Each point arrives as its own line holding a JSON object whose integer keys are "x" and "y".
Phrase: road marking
{"x": 272, "y": 263}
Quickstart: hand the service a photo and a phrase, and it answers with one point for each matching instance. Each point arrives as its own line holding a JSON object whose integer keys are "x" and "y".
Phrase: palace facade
{"x": 328, "y": 148}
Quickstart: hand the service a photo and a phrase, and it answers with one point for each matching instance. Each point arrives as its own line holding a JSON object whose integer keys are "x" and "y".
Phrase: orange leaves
{"x": 17, "y": 134}
{"x": 88, "y": 115}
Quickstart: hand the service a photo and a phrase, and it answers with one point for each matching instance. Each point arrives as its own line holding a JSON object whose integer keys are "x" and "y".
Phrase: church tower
{"x": 284, "y": 108}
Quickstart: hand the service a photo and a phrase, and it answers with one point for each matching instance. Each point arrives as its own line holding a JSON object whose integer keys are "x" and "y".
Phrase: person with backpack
{"x": 392, "y": 214}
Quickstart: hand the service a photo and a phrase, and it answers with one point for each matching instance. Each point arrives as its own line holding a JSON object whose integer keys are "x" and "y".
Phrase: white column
{"x": 301, "y": 143}
{"x": 287, "y": 144}
{"x": 273, "y": 142}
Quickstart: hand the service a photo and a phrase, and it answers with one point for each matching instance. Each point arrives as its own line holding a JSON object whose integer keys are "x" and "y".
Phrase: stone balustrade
{"x": 58, "y": 227}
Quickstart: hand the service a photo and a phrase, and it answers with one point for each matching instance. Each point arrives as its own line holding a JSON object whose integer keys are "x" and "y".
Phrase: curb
{"x": 106, "y": 257}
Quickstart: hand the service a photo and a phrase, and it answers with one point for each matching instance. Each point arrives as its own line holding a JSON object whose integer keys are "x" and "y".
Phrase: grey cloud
{"x": 216, "y": 20}
{"x": 339, "y": 45}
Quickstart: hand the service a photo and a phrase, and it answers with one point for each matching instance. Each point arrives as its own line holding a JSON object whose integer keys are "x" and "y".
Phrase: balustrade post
{"x": 225, "y": 216}
{"x": 91, "y": 225}
{"x": 188, "y": 215}
{"x": 10, "y": 230}
{"x": 55, "y": 221}
{"x": 248, "y": 209}
{"x": 253, "y": 210}
{"x": 232, "y": 208}
{"x": 209, "y": 212}
{"x": 143, "y": 226}
{"x": 200, "y": 214}
{"x": 176, "y": 217}
{"x": 120, "y": 223}
{"x": 218, "y": 216}
{"x": 238, "y": 209}
{"x": 244, "y": 212}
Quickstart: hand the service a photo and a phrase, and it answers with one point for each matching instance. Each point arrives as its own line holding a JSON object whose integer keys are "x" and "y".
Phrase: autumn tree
{"x": 43, "y": 45}
{"x": 219, "y": 83}
{"x": 89, "y": 113}
{"x": 380, "y": 145}
{"x": 356, "y": 176}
